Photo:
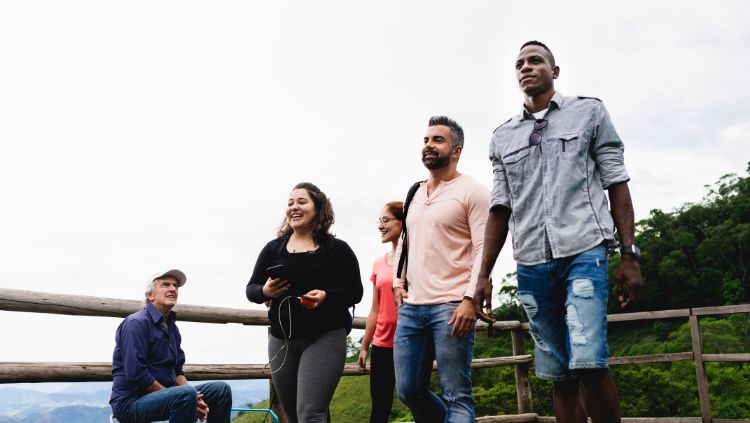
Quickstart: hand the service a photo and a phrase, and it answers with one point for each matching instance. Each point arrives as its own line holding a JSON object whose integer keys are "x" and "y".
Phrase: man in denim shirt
{"x": 148, "y": 382}
{"x": 552, "y": 164}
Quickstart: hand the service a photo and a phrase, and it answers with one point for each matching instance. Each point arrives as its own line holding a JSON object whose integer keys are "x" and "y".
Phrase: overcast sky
{"x": 140, "y": 136}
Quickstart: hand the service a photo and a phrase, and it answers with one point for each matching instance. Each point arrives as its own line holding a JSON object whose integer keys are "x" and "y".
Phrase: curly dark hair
{"x": 324, "y": 216}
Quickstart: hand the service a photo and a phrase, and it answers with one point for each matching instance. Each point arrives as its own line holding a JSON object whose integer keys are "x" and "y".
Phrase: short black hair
{"x": 457, "y": 133}
{"x": 542, "y": 45}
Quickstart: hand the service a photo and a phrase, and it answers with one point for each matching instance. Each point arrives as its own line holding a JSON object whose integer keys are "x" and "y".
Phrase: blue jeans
{"x": 178, "y": 404}
{"x": 566, "y": 302}
{"x": 422, "y": 335}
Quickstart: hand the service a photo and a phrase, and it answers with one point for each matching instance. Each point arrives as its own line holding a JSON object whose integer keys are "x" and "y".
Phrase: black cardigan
{"x": 333, "y": 268}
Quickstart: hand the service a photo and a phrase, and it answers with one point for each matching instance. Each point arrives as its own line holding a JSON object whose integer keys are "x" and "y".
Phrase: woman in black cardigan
{"x": 309, "y": 296}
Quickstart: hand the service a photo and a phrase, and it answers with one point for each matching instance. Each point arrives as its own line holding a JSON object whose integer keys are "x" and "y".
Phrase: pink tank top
{"x": 382, "y": 277}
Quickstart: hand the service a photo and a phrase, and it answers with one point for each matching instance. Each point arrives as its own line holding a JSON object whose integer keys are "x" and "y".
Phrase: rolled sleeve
{"x": 500, "y": 189}
{"x": 607, "y": 150}
{"x": 134, "y": 354}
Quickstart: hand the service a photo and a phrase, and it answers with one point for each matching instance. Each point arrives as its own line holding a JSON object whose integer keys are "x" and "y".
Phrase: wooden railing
{"x": 40, "y": 302}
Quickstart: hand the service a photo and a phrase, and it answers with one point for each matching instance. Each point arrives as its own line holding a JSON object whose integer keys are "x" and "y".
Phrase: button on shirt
{"x": 145, "y": 351}
{"x": 555, "y": 190}
{"x": 446, "y": 235}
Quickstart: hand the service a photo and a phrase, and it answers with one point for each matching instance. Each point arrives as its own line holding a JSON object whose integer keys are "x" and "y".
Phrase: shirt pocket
{"x": 569, "y": 142}
{"x": 516, "y": 168}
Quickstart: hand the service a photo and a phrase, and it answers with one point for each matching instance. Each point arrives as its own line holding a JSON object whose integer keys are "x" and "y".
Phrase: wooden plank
{"x": 731, "y": 309}
{"x": 652, "y": 358}
{"x": 33, "y": 372}
{"x": 504, "y": 325}
{"x": 523, "y": 388}
{"x": 17, "y": 372}
{"x": 482, "y": 363}
{"x": 546, "y": 419}
{"x": 83, "y": 305}
{"x": 517, "y": 418}
{"x": 727, "y": 358}
{"x": 647, "y": 315}
{"x": 700, "y": 370}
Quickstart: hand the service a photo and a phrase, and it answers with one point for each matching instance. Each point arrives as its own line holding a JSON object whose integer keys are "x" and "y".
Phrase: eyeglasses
{"x": 384, "y": 220}
{"x": 536, "y": 135}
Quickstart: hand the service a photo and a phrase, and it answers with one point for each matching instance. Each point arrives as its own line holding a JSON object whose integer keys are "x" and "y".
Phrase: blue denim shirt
{"x": 144, "y": 352}
{"x": 555, "y": 190}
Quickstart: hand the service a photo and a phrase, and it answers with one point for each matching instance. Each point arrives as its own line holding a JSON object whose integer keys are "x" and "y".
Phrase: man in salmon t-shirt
{"x": 444, "y": 233}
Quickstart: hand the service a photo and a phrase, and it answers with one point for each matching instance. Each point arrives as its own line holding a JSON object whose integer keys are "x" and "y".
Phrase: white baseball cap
{"x": 178, "y": 275}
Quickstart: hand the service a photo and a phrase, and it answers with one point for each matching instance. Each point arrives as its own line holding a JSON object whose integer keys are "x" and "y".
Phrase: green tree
{"x": 698, "y": 255}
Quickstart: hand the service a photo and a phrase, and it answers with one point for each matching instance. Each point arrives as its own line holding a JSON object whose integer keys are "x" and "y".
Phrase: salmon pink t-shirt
{"x": 385, "y": 327}
{"x": 446, "y": 236}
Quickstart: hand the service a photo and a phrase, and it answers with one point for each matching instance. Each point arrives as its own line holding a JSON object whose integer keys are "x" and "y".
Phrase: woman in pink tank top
{"x": 381, "y": 322}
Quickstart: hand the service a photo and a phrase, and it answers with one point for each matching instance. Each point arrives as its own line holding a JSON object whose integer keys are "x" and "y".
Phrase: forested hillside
{"x": 695, "y": 256}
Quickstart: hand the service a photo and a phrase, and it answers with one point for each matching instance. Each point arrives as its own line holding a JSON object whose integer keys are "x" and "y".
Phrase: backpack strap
{"x": 403, "y": 259}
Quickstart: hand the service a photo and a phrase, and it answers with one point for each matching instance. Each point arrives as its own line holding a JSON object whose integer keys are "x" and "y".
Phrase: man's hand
{"x": 362, "y": 360}
{"x": 201, "y": 408}
{"x": 463, "y": 319}
{"x": 314, "y": 298}
{"x": 399, "y": 294}
{"x": 629, "y": 273}
{"x": 483, "y": 298}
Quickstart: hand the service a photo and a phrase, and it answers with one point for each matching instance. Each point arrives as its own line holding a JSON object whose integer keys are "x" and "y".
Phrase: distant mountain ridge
{"x": 89, "y": 402}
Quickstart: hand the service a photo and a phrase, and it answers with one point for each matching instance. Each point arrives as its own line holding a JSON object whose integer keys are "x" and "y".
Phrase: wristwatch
{"x": 632, "y": 249}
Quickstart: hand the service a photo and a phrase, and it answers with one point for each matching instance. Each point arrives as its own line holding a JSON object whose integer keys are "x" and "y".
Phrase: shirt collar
{"x": 156, "y": 314}
{"x": 555, "y": 103}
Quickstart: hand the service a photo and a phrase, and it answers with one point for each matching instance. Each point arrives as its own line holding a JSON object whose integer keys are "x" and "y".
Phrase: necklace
{"x": 297, "y": 248}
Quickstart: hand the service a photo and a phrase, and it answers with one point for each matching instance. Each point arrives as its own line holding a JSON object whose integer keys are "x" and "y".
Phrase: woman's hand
{"x": 362, "y": 360}
{"x": 275, "y": 287}
{"x": 314, "y": 298}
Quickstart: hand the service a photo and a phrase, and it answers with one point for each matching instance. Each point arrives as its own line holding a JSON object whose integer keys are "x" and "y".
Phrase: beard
{"x": 437, "y": 162}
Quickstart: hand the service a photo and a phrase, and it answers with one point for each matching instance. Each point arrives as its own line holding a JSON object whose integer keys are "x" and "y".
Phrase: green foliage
{"x": 652, "y": 390}
{"x": 698, "y": 255}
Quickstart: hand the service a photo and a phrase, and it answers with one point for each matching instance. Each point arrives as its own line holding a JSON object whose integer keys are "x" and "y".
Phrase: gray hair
{"x": 457, "y": 133}
{"x": 149, "y": 289}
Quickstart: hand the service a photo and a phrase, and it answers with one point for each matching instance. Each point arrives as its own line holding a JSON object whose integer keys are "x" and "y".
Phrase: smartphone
{"x": 276, "y": 272}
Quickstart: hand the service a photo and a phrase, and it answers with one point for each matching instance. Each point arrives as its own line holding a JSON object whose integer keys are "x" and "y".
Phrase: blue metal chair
{"x": 258, "y": 410}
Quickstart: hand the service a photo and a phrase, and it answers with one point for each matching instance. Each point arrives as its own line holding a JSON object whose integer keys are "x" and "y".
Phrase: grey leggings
{"x": 306, "y": 381}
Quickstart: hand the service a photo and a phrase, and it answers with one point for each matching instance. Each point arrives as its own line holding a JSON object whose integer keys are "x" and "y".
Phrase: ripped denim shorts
{"x": 566, "y": 302}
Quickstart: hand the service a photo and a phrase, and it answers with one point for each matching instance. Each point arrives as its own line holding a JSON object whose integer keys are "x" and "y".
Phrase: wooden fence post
{"x": 273, "y": 398}
{"x": 523, "y": 389}
{"x": 700, "y": 369}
